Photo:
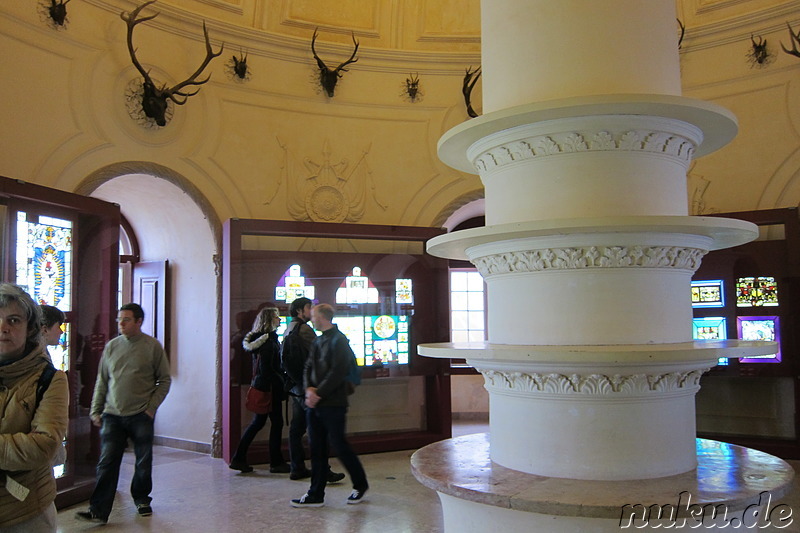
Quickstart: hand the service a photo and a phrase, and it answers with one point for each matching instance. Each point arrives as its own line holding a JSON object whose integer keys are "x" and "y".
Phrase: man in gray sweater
{"x": 132, "y": 381}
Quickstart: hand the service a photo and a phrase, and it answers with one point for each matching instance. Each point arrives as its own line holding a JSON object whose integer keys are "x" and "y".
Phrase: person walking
{"x": 34, "y": 398}
{"x": 262, "y": 343}
{"x": 296, "y": 344}
{"x": 328, "y": 365}
{"x": 132, "y": 381}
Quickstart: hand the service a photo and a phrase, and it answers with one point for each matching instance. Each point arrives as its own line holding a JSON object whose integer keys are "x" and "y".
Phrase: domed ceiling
{"x": 436, "y": 26}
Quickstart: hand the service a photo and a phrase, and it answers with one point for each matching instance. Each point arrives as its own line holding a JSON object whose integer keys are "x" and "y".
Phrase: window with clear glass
{"x": 467, "y": 306}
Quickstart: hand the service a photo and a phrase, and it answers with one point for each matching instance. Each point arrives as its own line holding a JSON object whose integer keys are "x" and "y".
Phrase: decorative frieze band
{"x": 592, "y": 384}
{"x": 657, "y": 142}
{"x": 590, "y": 257}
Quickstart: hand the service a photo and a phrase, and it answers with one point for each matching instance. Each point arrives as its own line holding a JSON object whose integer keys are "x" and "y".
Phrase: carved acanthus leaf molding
{"x": 590, "y": 257}
{"x": 591, "y": 384}
{"x": 656, "y": 142}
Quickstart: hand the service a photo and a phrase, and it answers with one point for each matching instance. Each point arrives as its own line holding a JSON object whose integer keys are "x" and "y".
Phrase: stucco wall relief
{"x": 320, "y": 190}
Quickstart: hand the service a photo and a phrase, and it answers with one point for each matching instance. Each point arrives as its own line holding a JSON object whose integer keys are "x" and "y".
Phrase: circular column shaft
{"x": 538, "y": 50}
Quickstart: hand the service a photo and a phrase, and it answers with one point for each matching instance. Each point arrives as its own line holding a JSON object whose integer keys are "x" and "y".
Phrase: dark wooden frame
{"x": 436, "y": 377}
{"x": 782, "y": 258}
{"x": 95, "y": 264}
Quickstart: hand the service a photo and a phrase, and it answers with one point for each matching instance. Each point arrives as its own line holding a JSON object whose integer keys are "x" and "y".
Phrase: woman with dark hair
{"x": 33, "y": 423}
{"x": 262, "y": 343}
{"x": 52, "y": 319}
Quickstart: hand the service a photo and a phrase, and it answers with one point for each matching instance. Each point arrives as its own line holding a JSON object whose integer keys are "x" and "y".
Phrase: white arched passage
{"x": 169, "y": 224}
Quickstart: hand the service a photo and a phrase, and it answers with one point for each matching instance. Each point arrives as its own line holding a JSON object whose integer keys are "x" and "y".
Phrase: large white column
{"x": 588, "y": 250}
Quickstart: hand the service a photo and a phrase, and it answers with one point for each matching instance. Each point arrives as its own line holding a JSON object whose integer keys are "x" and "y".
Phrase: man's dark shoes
{"x": 307, "y": 501}
{"x": 90, "y": 516}
{"x": 280, "y": 469}
{"x": 300, "y": 474}
{"x": 334, "y": 477}
{"x": 357, "y": 496}
{"x": 240, "y": 466}
{"x": 144, "y": 509}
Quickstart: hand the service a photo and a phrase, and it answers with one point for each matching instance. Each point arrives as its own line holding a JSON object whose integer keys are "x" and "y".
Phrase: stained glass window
{"x": 756, "y": 292}
{"x": 711, "y": 328}
{"x": 356, "y": 289}
{"x": 59, "y": 353}
{"x": 44, "y": 259}
{"x": 707, "y": 294}
{"x": 403, "y": 292}
{"x": 293, "y": 285}
{"x": 759, "y": 328}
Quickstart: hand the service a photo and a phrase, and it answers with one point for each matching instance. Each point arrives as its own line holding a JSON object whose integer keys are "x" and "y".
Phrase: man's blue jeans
{"x": 114, "y": 435}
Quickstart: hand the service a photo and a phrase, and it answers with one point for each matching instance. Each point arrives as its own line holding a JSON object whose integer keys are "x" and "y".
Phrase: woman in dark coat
{"x": 262, "y": 343}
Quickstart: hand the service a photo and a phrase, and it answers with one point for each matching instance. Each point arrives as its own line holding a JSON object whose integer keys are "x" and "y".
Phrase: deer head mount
{"x": 470, "y": 79}
{"x": 413, "y": 91}
{"x": 58, "y": 11}
{"x": 237, "y": 67}
{"x": 759, "y": 55}
{"x": 794, "y": 38}
{"x": 327, "y": 76}
{"x": 154, "y": 98}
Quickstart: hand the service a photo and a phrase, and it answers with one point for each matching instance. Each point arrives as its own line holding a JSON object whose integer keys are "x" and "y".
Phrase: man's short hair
{"x": 138, "y": 312}
{"x": 298, "y": 305}
{"x": 51, "y": 316}
{"x": 326, "y": 310}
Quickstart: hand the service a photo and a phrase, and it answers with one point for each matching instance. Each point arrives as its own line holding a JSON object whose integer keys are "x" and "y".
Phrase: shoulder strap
{"x": 44, "y": 382}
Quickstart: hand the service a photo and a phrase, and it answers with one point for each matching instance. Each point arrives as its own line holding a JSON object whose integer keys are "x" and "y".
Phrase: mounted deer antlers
{"x": 328, "y": 77}
{"x": 58, "y": 11}
{"x": 470, "y": 79}
{"x": 154, "y": 99}
{"x": 794, "y": 39}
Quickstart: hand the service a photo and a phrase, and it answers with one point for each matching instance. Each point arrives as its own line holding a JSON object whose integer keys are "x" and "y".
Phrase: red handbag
{"x": 258, "y": 401}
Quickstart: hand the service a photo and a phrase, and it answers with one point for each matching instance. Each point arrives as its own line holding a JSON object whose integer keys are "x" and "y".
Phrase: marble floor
{"x": 195, "y": 493}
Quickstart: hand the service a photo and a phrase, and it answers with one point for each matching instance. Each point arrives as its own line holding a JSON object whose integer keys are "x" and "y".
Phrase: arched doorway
{"x": 172, "y": 226}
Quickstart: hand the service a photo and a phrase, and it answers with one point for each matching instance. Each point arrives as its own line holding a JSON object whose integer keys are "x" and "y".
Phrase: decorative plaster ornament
{"x": 326, "y": 191}
{"x": 591, "y": 384}
{"x": 602, "y": 257}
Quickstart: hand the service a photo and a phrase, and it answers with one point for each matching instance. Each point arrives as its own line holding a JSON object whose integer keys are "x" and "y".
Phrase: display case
{"x": 388, "y": 295}
{"x": 753, "y": 401}
{"x": 63, "y": 249}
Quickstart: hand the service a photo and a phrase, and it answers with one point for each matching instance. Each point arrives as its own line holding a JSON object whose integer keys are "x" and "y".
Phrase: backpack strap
{"x": 44, "y": 382}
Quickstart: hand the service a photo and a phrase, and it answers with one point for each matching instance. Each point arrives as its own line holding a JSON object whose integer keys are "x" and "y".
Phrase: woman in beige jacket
{"x": 29, "y": 434}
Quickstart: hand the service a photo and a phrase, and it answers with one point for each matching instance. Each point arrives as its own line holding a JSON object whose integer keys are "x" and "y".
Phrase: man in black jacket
{"x": 326, "y": 370}
{"x": 294, "y": 354}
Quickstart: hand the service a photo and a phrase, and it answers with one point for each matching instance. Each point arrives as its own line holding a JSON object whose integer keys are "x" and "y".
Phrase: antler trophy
{"x": 794, "y": 40}
{"x": 154, "y": 98}
{"x": 470, "y": 79}
{"x": 328, "y": 77}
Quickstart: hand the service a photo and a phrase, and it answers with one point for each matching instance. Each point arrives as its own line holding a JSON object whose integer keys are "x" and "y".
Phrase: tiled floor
{"x": 197, "y": 494}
